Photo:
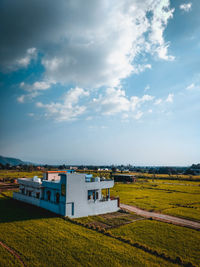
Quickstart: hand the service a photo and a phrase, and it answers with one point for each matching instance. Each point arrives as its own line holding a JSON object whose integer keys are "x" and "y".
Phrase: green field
{"x": 178, "y": 199}
{"x": 165, "y": 238}
{"x": 9, "y": 174}
{"x": 7, "y": 259}
{"x": 42, "y": 239}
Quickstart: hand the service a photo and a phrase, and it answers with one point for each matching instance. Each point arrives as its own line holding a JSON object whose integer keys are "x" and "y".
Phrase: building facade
{"x": 68, "y": 194}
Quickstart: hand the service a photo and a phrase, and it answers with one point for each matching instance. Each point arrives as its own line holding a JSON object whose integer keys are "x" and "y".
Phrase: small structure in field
{"x": 124, "y": 178}
{"x": 68, "y": 193}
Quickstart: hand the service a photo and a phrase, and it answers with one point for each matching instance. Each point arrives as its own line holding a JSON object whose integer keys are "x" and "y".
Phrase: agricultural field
{"x": 43, "y": 239}
{"x": 178, "y": 199}
{"x": 8, "y": 175}
{"x": 165, "y": 238}
{"x": 7, "y": 259}
{"x": 116, "y": 239}
{"x": 166, "y": 176}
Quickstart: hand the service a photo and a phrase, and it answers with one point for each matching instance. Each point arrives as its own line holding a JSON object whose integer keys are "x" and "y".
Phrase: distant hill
{"x": 12, "y": 161}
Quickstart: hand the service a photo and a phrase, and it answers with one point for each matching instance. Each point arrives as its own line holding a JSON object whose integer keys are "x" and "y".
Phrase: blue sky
{"x": 89, "y": 82}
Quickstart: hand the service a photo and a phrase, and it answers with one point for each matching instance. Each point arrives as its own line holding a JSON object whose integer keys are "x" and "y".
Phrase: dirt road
{"x": 162, "y": 217}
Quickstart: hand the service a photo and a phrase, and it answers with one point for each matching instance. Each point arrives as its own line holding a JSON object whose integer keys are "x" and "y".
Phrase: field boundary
{"x": 13, "y": 252}
{"x": 162, "y": 217}
{"x": 137, "y": 245}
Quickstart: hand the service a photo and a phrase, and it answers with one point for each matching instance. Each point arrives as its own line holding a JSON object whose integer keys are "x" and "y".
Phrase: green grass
{"x": 10, "y": 174}
{"x": 42, "y": 239}
{"x": 109, "y": 220}
{"x": 161, "y": 197}
{"x": 7, "y": 259}
{"x": 165, "y": 238}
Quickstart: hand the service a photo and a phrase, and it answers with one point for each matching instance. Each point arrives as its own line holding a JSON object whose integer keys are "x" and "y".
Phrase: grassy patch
{"x": 7, "y": 175}
{"x": 109, "y": 220}
{"x": 42, "y": 239}
{"x": 7, "y": 259}
{"x": 161, "y": 197}
{"x": 172, "y": 240}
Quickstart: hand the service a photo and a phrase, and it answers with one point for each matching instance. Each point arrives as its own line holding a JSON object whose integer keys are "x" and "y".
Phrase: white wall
{"x": 77, "y": 193}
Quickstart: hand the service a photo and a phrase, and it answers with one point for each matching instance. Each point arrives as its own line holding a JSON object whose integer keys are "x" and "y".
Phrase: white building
{"x": 69, "y": 194}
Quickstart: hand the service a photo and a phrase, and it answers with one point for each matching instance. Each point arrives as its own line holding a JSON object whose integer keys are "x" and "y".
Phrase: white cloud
{"x": 186, "y": 7}
{"x": 23, "y": 62}
{"x": 138, "y": 115}
{"x": 162, "y": 13}
{"x": 87, "y": 43}
{"x": 21, "y": 99}
{"x": 31, "y": 54}
{"x": 170, "y": 98}
{"x": 147, "y": 87}
{"x": 30, "y": 114}
{"x": 33, "y": 90}
{"x": 158, "y": 101}
{"x": 115, "y": 101}
{"x": 69, "y": 109}
{"x": 111, "y": 46}
{"x": 36, "y": 86}
{"x": 110, "y": 103}
{"x": 190, "y": 87}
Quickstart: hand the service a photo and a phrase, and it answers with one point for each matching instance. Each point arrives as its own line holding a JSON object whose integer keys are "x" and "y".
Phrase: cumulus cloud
{"x": 170, "y": 98}
{"x": 138, "y": 115}
{"x": 115, "y": 101}
{"x": 33, "y": 90}
{"x": 69, "y": 109}
{"x": 22, "y": 62}
{"x": 158, "y": 101}
{"x": 147, "y": 87}
{"x": 186, "y": 7}
{"x": 190, "y": 87}
{"x": 86, "y": 43}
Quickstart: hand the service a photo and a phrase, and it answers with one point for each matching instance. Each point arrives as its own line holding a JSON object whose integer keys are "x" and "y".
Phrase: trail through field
{"x": 13, "y": 253}
{"x": 162, "y": 217}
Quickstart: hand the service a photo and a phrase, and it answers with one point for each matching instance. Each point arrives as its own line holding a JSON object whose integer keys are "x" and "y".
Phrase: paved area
{"x": 162, "y": 217}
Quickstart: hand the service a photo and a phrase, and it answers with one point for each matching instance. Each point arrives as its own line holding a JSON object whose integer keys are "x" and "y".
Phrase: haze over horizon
{"x": 97, "y": 82}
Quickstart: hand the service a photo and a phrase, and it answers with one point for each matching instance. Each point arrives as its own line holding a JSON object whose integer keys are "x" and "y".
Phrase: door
{"x": 70, "y": 209}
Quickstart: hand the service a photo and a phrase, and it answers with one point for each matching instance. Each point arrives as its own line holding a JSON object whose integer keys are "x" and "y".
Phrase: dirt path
{"x": 13, "y": 253}
{"x": 162, "y": 217}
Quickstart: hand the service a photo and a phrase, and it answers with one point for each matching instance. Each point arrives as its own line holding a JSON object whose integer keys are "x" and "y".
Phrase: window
{"x": 37, "y": 195}
{"x": 57, "y": 198}
{"x": 72, "y": 208}
{"x": 90, "y": 194}
{"x": 97, "y": 195}
{"x": 48, "y": 195}
{"x": 22, "y": 190}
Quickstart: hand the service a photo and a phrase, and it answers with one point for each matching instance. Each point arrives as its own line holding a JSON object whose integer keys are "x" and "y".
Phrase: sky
{"x": 100, "y": 82}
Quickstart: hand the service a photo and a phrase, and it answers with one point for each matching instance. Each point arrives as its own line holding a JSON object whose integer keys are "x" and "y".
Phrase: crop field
{"x": 178, "y": 199}
{"x": 166, "y": 176}
{"x": 9, "y": 174}
{"x": 42, "y": 239}
{"x": 141, "y": 175}
{"x": 166, "y": 238}
{"x": 7, "y": 259}
{"x": 110, "y": 220}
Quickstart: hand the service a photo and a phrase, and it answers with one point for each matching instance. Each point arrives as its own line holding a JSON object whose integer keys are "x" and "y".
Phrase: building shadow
{"x": 12, "y": 210}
